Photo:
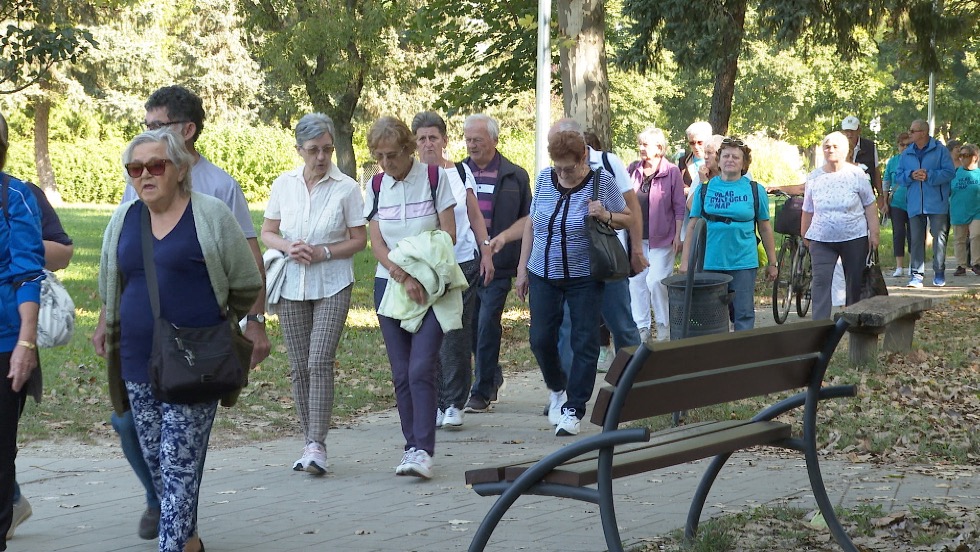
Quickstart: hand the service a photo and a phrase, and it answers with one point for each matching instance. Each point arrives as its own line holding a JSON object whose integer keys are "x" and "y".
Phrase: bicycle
{"x": 794, "y": 272}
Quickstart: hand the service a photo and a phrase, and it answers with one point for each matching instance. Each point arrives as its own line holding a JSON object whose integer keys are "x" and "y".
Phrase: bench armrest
{"x": 799, "y": 399}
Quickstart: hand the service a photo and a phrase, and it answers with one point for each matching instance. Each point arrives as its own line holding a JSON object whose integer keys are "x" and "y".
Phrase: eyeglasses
{"x": 315, "y": 151}
{"x": 155, "y": 168}
{"x": 387, "y": 156}
{"x": 914, "y": 130}
{"x": 154, "y": 125}
{"x": 695, "y": 142}
{"x": 565, "y": 171}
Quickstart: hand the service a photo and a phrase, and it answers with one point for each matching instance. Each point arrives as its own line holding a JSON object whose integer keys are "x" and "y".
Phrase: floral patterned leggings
{"x": 174, "y": 440}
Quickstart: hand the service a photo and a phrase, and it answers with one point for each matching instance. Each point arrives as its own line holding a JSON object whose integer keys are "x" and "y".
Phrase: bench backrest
{"x": 678, "y": 375}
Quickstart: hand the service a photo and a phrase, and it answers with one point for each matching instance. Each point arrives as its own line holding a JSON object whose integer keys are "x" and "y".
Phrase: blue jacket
{"x": 931, "y": 196}
{"x": 21, "y": 258}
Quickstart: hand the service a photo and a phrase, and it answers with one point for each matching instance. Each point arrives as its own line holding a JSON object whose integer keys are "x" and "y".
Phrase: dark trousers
{"x": 900, "y": 231}
{"x": 456, "y": 354}
{"x": 548, "y": 299}
{"x": 853, "y": 255}
{"x": 11, "y": 405}
{"x": 414, "y": 361}
{"x": 490, "y": 300}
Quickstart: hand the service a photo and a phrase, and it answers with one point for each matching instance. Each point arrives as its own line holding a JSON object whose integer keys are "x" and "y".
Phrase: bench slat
{"x": 685, "y": 392}
{"x": 652, "y": 457}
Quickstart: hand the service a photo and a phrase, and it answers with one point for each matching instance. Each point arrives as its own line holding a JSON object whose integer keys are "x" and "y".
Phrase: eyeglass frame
{"x": 315, "y": 151}
{"x": 146, "y": 167}
{"x": 564, "y": 171}
{"x": 157, "y": 125}
{"x": 387, "y": 156}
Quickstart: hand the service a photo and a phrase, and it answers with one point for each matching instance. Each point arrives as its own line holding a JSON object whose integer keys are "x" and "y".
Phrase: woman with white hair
{"x": 660, "y": 191}
{"x": 698, "y": 135}
{"x": 840, "y": 220}
{"x": 315, "y": 218}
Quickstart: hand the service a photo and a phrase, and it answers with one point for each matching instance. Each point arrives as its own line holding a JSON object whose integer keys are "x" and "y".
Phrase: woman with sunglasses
{"x": 660, "y": 191}
{"x": 206, "y": 274}
{"x": 732, "y": 217}
{"x": 964, "y": 210}
{"x": 897, "y": 206}
{"x": 407, "y": 203}
{"x": 839, "y": 221}
{"x": 554, "y": 270}
{"x": 315, "y": 218}
{"x": 21, "y": 273}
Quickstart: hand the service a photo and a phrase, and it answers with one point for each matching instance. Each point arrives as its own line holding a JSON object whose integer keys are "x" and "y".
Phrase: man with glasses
{"x": 503, "y": 192}
{"x": 182, "y": 111}
{"x": 698, "y": 135}
{"x": 926, "y": 169}
{"x": 864, "y": 153}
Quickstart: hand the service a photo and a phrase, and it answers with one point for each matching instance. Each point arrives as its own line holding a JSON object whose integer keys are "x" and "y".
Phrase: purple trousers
{"x": 414, "y": 361}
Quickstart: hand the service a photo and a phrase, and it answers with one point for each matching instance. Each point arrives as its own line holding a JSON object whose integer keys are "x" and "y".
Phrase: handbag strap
{"x": 595, "y": 184}
{"x": 872, "y": 257}
{"x": 149, "y": 267}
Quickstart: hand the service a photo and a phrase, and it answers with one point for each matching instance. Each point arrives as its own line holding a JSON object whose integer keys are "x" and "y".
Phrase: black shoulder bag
{"x": 608, "y": 259}
{"x": 191, "y": 365}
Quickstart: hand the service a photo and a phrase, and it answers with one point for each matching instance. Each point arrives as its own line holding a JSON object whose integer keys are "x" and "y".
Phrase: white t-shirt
{"x": 320, "y": 216}
{"x": 618, "y": 168}
{"x": 405, "y": 207}
{"x": 207, "y": 178}
{"x": 466, "y": 246}
{"x": 837, "y": 201}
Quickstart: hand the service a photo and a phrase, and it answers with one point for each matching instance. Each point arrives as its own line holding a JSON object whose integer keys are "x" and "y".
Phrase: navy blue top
{"x": 186, "y": 296}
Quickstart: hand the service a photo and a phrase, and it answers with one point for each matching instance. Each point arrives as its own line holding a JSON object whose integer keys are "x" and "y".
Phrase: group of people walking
{"x": 450, "y": 240}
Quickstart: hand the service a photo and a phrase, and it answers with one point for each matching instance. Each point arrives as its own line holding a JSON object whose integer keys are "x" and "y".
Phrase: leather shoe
{"x": 149, "y": 527}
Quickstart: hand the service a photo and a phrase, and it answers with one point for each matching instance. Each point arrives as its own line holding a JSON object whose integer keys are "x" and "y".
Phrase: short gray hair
{"x": 839, "y": 138}
{"x": 312, "y": 126}
{"x": 493, "y": 129}
{"x": 699, "y": 128}
{"x": 176, "y": 152}
{"x": 429, "y": 119}
{"x": 653, "y": 135}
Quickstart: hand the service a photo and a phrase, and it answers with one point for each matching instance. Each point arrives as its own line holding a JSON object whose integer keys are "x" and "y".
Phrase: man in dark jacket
{"x": 864, "y": 153}
{"x": 503, "y": 191}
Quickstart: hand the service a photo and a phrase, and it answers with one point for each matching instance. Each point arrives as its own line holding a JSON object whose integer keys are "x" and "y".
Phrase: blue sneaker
{"x": 939, "y": 280}
{"x": 915, "y": 281}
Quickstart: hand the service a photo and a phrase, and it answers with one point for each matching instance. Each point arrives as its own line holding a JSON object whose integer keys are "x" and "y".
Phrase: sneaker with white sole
{"x": 644, "y": 335}
{"x": 304, "y": 461}
{"x": 663, "y": 332}
{"x": 899, "y": 272}
{"x": 403, "y": 465}
{"x": 568, "y": 424}
{"x": 22, "y": 511}
{"x": 317, "y": 455}
{"x": 440, "y": 417}
{"x": 419, "y": 465}
{"x": 915, "y": 281}
{"x": 453, "y": 418}
{"x": 556, "y": 400}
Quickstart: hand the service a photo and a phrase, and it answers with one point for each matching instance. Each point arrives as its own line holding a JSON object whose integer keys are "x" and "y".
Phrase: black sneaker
{"x": 149, "y": 527}
{"x": 476, "y": 404}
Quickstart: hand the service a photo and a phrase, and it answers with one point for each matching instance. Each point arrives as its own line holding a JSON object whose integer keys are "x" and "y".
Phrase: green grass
{"x": 76, "y": 401}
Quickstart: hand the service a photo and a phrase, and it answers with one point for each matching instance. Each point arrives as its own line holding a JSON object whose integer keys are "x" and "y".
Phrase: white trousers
{"x": 646, "y": 291}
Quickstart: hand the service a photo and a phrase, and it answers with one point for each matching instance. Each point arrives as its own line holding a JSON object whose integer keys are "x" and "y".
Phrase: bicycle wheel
{"x": 805, "y": 277}
{"x": 782, "y": 288}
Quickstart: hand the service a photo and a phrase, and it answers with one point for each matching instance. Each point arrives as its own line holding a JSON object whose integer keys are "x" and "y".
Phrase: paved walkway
{"x": 86, "y": 499}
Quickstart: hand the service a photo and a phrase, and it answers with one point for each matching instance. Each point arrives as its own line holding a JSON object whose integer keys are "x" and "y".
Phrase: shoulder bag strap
{"x": 149, "y": 267}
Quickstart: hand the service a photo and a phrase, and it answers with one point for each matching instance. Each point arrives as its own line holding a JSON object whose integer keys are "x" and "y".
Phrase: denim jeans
{"x": 939, "y": 227}
{"x": 743, "y": 284}
{"x": 130, "y": 443}
{"x": 547, "y": 302}
{"x": 615, "y": 308}
{"x": 490, "y": 299}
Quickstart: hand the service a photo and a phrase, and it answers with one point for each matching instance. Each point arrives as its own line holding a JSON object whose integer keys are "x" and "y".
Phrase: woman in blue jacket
{"x": 21, "y": 264}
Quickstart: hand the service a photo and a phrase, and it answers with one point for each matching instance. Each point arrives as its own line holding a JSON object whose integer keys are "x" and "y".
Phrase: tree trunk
{"x": 584, "y": 78}
{"x": 724, "y": 92}
{"x": 45, "y": 172}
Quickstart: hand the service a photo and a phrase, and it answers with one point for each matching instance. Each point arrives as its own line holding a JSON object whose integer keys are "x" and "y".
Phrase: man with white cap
{"x": 864, "y": 154}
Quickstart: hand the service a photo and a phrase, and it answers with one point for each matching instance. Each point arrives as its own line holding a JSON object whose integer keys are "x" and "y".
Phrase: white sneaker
{"x": 318, "y": 459}
{"x": 568, "y": 424}
{"x": 21, "y": 511}
{"x": 555, "y": 402}
{"x": 644, "y": 335}
{"x": 440, "y": 418}
{"x": 453, "y": 418}
{"x": 419, "y": 465}
{"x": 400, "y": 470}
{"x": 663, "y": 332}
{"x": 899, "y": 272}
{"x": 304, "y": 461}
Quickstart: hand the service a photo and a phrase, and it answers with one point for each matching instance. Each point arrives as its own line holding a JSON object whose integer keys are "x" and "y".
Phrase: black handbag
{"x": 191, "y": 365}
{"x": 608, "y": 260}
{"x": 872, "y": 281}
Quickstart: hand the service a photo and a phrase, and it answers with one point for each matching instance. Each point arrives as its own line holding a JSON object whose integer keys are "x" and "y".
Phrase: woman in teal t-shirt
{"x": 898, "y": 206}
{"x": 964, "y": 210}
{"x": 731, "y": 216}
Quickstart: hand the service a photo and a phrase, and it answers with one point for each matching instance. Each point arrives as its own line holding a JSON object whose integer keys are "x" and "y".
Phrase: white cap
{"x": 850, "y": 123}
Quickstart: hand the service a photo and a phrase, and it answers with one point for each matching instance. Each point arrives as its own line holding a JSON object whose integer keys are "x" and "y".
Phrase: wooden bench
{"x": 892, "y": 315}
{"x": 676, "y": 375}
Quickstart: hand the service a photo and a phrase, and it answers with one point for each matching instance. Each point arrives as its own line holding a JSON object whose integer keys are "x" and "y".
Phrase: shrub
{"x": 774, "y": 162}
{"x": 253, "y": 155}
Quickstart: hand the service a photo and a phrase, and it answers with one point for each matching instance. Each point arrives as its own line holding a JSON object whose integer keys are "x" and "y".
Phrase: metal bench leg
{"x": 823, "y": 501}
{"x": 493, "y": 517}
{"x": 701, "y": 494}
{"x": 607, "y": 508}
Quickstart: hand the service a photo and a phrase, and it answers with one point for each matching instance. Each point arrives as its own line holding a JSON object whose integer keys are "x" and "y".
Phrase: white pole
{"x": 932, "y": 104}
{"x": 543, "y": 90}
